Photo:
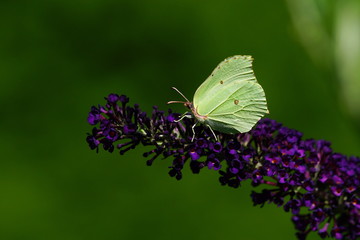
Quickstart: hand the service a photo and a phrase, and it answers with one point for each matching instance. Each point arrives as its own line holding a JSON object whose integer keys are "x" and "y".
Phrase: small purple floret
{"x": 129, "y": 129}
{"x": 113, "y": 98}
{"x": 94, "y": 116}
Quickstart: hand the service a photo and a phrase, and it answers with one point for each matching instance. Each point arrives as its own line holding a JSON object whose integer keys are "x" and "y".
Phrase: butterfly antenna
{"x": 180, "y": 94}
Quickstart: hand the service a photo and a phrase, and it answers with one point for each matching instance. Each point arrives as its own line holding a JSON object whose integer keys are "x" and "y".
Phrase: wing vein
{"x": 239, "y": 74}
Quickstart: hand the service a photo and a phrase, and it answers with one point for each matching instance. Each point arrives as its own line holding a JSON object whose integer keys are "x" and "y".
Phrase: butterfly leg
{"x": 212, "y": 132}
{"x": 182, "y": 117}
{"x": 192, "y": 128}
{"x": 193, "y": 131}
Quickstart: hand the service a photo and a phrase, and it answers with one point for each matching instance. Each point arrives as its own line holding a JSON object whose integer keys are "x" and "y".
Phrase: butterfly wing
{"x": 241, "y": 109}
{"x": 236, "y": 68}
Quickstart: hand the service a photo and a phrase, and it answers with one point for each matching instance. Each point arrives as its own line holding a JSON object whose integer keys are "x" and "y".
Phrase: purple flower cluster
{"x": 318, "y": 186}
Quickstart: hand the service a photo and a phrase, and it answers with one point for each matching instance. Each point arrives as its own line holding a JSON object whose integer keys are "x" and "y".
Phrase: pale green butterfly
{"x": 230, "y": 100}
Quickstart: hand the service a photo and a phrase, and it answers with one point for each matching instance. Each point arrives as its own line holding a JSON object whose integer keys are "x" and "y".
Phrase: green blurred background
{"x": 58, "y": 58}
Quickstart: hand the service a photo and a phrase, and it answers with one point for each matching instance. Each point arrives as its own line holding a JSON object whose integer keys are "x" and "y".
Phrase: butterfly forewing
{"x": 236, "y": 68}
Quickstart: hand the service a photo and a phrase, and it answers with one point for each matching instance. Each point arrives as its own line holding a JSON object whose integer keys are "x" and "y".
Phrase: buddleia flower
{"x": 305, "y": 177}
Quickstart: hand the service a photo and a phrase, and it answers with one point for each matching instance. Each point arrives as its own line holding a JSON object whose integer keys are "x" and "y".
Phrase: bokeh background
{"x": 58, "y": 58}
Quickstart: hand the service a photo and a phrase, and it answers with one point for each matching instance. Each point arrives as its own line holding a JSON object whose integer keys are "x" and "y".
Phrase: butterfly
{"x": 230, "y": 100}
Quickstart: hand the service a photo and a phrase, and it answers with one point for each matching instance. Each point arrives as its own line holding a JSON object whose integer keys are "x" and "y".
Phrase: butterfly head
{"x": 190, "y": 106}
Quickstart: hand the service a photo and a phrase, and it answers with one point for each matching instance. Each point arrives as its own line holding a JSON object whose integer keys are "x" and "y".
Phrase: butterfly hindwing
{"x": 241, "y": 110}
